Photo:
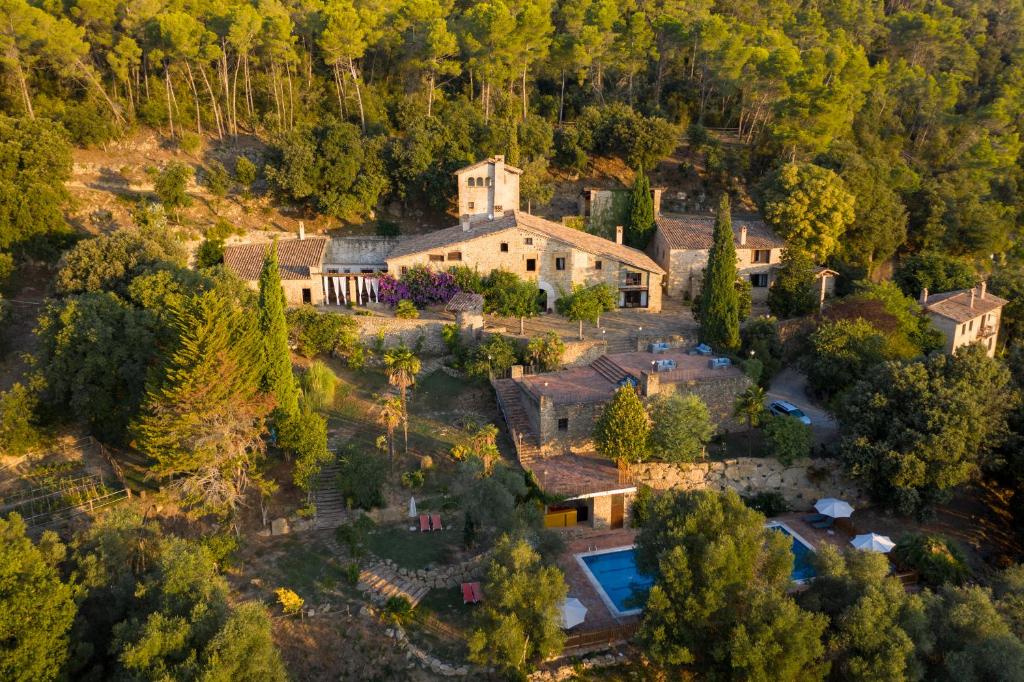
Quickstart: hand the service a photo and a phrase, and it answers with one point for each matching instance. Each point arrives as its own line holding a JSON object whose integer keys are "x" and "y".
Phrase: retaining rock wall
{"x": 800, "y": 483}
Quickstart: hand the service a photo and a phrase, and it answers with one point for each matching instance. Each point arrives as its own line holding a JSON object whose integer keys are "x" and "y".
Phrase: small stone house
{"x": 300, "y": 261}
{"x": 554, "y": 256}
{"x": 681, "y": 244}
{"x": 488, "y": 188}
{"x": 966, "y": 316}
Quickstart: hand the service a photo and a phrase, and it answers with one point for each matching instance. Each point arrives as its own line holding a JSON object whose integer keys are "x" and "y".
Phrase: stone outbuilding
{"x": 682, "y": 242}
{"x": 300, "y": 262}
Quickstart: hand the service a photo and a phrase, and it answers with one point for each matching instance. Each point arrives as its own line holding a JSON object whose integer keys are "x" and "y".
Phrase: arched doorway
{"x": 546, "y": 296}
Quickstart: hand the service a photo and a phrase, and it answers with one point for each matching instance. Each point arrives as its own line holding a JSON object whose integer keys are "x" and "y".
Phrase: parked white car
{"x": 782, "y": 408}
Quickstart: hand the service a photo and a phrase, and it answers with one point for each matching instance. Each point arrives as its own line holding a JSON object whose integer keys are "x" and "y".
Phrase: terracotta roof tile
{"x": 295, "y": 256}
{"x": 584, "y": 241}
{"x": 956, "y": 305}
{"x": 687, "y": 232}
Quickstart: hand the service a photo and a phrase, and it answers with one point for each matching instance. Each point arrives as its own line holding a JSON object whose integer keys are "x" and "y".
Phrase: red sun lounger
{"x": 435, "y": 522}
{"x": 424, "y": 523}
{"x": 478, "y": 594}
{"x": 467, "y": 594}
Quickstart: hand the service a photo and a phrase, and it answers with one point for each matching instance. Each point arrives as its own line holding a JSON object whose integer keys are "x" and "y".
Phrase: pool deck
{"x": 598, "y": 615}
{"x": 839, "y": 535}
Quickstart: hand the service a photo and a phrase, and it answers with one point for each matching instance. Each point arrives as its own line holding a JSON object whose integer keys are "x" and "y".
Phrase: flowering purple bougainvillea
{"x": 420, "y": 285}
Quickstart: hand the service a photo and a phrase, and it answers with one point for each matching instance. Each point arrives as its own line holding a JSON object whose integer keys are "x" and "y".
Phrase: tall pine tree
{"x": 641, "y": 212}
{"x": 202, "y": 419}
{"x": 278, "y": 379}
{"x": 719, "y": 311}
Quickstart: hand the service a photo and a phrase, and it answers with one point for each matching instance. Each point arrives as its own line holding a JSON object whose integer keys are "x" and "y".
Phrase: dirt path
{"x": 790, "y": 385}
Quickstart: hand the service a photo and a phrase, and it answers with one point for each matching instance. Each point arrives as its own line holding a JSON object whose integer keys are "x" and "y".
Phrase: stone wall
{"x": 801, "y": 483}
{"x": 394, "y": 331}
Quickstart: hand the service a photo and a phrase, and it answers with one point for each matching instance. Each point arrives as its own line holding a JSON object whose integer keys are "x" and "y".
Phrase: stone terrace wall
{"x": 800, "y": 483}
{"x": 397, "y": 331}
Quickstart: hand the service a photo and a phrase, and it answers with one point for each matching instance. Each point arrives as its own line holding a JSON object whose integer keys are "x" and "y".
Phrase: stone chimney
{"x": 618, "y": 234}
{"x": 302, "y": 230}
{"x": 743, "y": 235}
{"x": 983, "y": 286}
{"x": 973, "y": 292}
{"x": 465, "y": 222}
{"x": 924, "y": 296}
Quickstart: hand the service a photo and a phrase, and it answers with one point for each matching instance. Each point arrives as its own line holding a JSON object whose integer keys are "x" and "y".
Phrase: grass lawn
{"x": 446, "y": 605}
{"x": 413, "y": 549}
{"x": 308, "y": 566}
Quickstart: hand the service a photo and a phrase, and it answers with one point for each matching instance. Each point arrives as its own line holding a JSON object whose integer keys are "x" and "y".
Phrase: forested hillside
{"x": 914, "y": 107}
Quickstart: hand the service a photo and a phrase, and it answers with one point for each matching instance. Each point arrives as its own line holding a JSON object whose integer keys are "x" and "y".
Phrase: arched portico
{"x": 549, "y": 294}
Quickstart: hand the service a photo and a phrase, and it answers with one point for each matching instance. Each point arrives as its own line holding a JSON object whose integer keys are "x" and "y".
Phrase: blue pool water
{"x": 618, "y": 576}
{"x": 802, "y": 568}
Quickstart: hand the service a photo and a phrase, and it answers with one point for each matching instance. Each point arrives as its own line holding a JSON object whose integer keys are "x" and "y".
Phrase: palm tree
{"x": 402, "y": 366}
{"x": 389, "y": 415}
{"x": 749, "y": 405}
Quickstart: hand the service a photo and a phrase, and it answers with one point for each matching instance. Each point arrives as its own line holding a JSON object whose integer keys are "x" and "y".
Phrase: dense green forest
{"x": 913, "y": 107}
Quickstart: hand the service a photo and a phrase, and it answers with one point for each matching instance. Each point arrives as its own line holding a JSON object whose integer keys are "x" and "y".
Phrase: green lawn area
{"x": 307, "y": 566}
{"x": 446, "y": 605}
{"x": 413, "y": 549}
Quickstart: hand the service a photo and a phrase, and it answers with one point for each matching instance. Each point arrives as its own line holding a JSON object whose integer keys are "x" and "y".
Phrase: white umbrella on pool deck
{"x": 837, "y": 509}
{"x": 873, "y": 542}
{"x": 412, "y": 507}
{"x": 573, "y": 613}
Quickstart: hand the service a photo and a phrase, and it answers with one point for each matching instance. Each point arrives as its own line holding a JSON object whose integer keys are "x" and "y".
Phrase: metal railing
{"x": 606, "y": 637}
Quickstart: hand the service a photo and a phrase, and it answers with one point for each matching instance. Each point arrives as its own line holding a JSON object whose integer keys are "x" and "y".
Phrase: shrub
{"x": 452, "y": 336}
{"x": 210, "y": 253}
{"x": 189, "y": 142}
{"x": 769, "y": 503}
{"x": 545, "y": 351}
{"x": 467, "y": 279}
{"x": 937, "y": 560}
{"x": 245, "y": 174}
{"x": 413, "y": 479}
{"x": 313, "y": 333}
{"x": 352, "y": 573}
{"x": 398, "y": 610}
{"x": 353, "y": 535}
{"x": 788, "y": 439}
{"x": 406, "y": 310}
{"x": 291, "y": 603}
{"x": 362, "y": 477}
{"x": 18, "y": 433}
{"x": 426, "y": 463}
{"x": 216, "y": 179}
{"x": 388, "y": 228}
{"x": 419, "y": 284}
{"x": 319, "y": 385}
{"x": 497, "y": 354}
{"x": 305, "y": 434}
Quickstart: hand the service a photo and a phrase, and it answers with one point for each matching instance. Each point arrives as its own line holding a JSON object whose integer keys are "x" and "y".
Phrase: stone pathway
{"x": 382, "y": 582}
{"x": 331, "y": 510}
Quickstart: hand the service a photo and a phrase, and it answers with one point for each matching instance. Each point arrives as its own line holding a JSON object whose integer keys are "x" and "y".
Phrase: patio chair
{"x": 467, "y": 594}
{"x": 827, "y": 522}
{"x": 424, "y": 523}
{"x": 435, "y": 522}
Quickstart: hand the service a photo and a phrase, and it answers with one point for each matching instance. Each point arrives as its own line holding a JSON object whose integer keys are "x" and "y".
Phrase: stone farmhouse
{"x": 551, "y": 417}
{"x": 966, "y": 316}
{"x": 682, "y": 242}
{"x": 299, "y": 260}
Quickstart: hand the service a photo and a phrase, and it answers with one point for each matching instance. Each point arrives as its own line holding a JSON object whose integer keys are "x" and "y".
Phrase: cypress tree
{"x": 641, "y": 211}
{"x": 278, "y": 379}
{"x": 718, "y": 313}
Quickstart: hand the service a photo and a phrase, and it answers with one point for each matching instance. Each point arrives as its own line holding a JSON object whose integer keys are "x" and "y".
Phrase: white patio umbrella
{"x": 873, "y": 542}
{"x": 412, "y": 507}
{"x": 573, "y": 613}
{"x": 837, "y": 509}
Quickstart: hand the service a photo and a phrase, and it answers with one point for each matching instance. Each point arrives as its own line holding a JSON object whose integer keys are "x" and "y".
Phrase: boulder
{"x": 279, "y": 526}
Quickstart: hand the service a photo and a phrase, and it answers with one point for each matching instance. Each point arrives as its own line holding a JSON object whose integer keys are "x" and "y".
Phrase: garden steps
{"x": 621, "y": 345}
{"x": 331, "y": 510}
{"x": 383, "y": 584}
{"x": 511, "y": 406}
{"x": 607, "y": 368}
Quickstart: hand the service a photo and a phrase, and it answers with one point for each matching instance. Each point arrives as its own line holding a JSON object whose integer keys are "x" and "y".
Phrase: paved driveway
{"x": 791, "y": 385}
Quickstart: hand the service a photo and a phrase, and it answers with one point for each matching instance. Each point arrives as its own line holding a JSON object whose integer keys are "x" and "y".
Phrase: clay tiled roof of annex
{"x": 688, "y": 231}
{"x": 465, "y": 302}
{"x": 956, "y": 305}
{"x": 295, "y": 257}
{"x": 584, "y": 241}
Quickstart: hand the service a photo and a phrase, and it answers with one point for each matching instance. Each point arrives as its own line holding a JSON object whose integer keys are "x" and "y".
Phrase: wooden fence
{"x": 607, "y": 637}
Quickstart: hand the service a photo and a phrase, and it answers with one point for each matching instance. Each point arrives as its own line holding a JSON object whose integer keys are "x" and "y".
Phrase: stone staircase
{"x": 619, "y": 344}
{"x": 331, "y": 511}
{"x": 382, "y": 582}
{"x": 607, "y": 368}
{"x": 516, "y": 417}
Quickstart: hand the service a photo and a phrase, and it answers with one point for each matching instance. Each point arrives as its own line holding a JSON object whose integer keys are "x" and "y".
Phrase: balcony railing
{"x": 986, "y": 331}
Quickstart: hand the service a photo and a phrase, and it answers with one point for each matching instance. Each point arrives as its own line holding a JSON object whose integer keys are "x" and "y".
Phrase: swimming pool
{"x": 803, "y": 569}
{"x": 622, "y": 588}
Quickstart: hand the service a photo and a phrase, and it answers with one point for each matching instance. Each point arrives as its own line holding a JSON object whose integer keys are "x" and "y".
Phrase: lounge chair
{"x": 814, "y": 518}
{"x": 424, "y": 523}
{"x": 478, "y": 593}
{"x": 824, "y": 523}
{"x": 467, "y": 594}
{"x": 435, "y": 522}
